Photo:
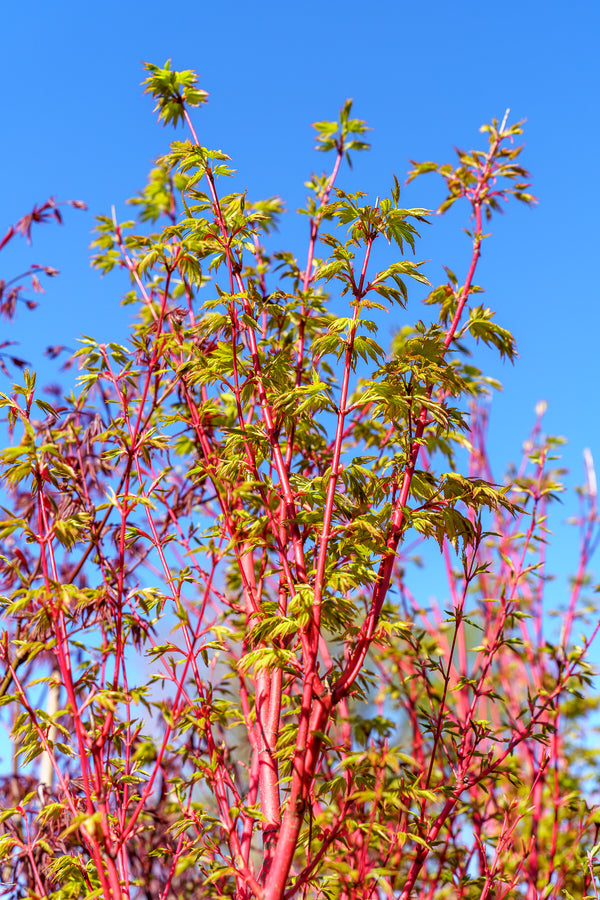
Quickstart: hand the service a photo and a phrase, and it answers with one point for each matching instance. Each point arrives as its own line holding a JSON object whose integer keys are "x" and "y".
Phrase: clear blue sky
{"x": 76, "y": 125}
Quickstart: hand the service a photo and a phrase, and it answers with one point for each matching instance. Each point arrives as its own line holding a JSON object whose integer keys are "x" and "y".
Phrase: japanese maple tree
{"x": 216, "y": 677}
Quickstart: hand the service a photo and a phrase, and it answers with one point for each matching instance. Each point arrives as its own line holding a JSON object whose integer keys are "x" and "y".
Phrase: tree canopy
{"x": 217, "y": 680}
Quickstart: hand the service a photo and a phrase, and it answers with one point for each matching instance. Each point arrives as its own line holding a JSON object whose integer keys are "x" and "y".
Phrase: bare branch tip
{"x": 590, "y": 472}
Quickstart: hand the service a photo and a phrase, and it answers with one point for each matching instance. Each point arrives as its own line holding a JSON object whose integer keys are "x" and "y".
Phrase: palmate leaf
{"x": 173, "y": 91}
{"x": 482, "y": 327}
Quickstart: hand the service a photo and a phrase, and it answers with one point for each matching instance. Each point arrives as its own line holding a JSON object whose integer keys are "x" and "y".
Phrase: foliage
{"x": 217, "y": 680}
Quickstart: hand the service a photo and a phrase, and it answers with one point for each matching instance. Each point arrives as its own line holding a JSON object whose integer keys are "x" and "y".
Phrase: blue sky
{"x": 76, "y": 125}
